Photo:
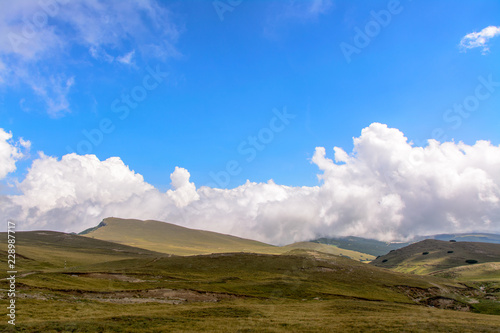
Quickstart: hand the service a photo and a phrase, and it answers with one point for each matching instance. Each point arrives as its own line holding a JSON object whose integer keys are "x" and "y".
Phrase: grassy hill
{"x": 303, "y": 291}
{"x": 489, "y": 271}
{"x": 330, "y": 249}
{"x": 431, "y": 255}
{"x": 170, "y": 238}
{"x": 173, "y": 239}
{"x": 471, "y": 237}
{"x": 111, "y": 287}
{"x": 37, "y": 250}
{"x": 378, "y": 248}
{"x": 363, "y": 245}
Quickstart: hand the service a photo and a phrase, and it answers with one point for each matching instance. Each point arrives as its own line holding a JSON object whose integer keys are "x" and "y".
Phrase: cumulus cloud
{"x": 184, "y": 192}
{"x": 385, "y": 188}
{"x": 480, "y": 39}
{"x": 38, "y": 39}
{"x": 10, "y": 152}
{"x": 83, "y": 183}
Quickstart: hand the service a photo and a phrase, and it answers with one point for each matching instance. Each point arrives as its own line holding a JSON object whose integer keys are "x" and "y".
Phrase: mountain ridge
{"x": 433, "y": 255}
{"x": 170, "y": 238}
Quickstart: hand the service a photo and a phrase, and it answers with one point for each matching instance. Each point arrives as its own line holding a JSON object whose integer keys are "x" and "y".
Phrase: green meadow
{"x": 72, "y": 283}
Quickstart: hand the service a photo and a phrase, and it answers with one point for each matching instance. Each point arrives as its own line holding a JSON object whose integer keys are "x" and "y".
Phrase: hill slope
{"x": 330, "y": 249}
{"x": 434, "y": 255}
{"x": 55, "y": 250}
{"x": 489, "y": 271}
{"x": 117, "y": 288}
{"x": 173, "y": 239}
{"x": 471, "y": 237}
{"x": 363, "y": 245}
{"x": 170, "y": 238}
{"x": 378, "y": 248}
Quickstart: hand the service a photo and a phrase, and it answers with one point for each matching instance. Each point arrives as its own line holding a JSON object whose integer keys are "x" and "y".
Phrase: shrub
{"x": 450, "y": 251}
{"x": 385, "y": 260}
{"x": 453, "y": 241}
{"x": 471, "y": 261}
{"x": 425, "y": 253}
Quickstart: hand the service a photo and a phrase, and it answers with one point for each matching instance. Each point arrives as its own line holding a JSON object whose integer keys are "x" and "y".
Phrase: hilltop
{"x": 432, "y": 255}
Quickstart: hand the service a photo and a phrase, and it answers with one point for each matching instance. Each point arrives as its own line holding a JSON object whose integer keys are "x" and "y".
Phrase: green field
{"x": 247, "y": 315}
{"x": 489, "y": 271}
{"x": 109, "y": 287}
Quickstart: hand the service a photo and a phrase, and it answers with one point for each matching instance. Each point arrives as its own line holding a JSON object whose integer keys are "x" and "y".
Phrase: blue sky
{"x": 227, "y": 76}
{"x": 227, "y": 68}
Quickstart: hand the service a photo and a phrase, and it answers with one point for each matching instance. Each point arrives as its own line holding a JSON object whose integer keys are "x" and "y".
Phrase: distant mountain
{"x": 173, "y": 239}
{"x": 432, "y": 255}
{"x": 364, "y": 245}
{"x": 378, "y": 248}
{"x": 471, "y": 237}
{"x": 324, "y": 248}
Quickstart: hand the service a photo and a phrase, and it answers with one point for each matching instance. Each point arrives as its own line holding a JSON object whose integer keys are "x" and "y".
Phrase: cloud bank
{"x": 386, "y": 188}
{"x": 480, "y": 39}
{"x": 10, "y": 152}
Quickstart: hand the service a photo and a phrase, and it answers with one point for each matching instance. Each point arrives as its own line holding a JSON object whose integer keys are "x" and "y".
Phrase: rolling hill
{"x": 170, "y": 238}
{"x": 486, "y": 272}
{"x": 329, "y": 249}
{"x": 302, "y": 291}
{"x": 363, "y": 245}
{"x": 378, "y": 248}
{"x": 470, "y": 237}
{"x": 173, "y": 239}
{"x": 37, "y": 250}
{"x": 432, "y": 255}
{"x": 112, "y": 287}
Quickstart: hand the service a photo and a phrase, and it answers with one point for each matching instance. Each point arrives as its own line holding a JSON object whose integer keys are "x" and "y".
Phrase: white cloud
{"x": 10, "y": 152}
{"x": 75, "y": 188}
{"x": 53, "y": 90}
{"x": 127, "y": 59}
{"x": 385, "y": 188}
{"x": 39, "y": 39}
{"x": 480, "y": 39}
{"x": 184, "y": 191}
